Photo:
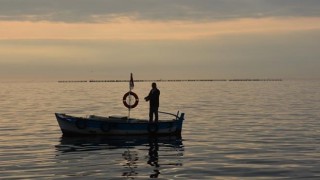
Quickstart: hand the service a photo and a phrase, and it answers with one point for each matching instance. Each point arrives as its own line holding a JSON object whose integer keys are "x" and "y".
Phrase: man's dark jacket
{"x": 154, "y": 97}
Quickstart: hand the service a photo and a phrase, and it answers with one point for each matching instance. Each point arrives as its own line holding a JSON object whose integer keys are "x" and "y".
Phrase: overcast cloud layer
{"x": 159, "y": 10}
{"x": 108, "y": 39}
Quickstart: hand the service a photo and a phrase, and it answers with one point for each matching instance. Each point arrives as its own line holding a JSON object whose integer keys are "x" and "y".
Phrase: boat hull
{"x": 71, "y": 125}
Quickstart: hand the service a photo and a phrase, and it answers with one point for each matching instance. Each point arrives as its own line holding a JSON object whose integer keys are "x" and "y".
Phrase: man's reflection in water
{"x": 153, "y": 156}
{"x": 132, "y": 160}
{"x": 171, "y": 151}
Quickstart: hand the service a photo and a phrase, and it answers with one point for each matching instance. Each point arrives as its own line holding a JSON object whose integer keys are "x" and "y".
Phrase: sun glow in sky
{"x": 159, "y": 39}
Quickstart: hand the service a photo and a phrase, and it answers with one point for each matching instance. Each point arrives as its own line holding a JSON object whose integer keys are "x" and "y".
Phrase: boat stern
{"x": 180, "y": 122}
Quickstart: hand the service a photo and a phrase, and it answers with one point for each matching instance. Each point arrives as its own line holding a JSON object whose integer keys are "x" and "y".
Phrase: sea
{"x": 232, "y": 130}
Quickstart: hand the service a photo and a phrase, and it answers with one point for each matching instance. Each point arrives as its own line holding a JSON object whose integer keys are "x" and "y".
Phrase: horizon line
{"x": 170, "y": 80}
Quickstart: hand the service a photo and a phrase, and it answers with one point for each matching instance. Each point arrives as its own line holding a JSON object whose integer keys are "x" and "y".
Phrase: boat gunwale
{"x": 111, "y": 119}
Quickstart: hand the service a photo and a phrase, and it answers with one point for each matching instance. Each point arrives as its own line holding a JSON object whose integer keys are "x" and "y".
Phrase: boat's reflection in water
{"x": 137, "y": 151}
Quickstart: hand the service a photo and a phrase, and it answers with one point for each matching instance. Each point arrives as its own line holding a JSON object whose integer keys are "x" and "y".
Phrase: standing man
{"x": 153, "y": 99}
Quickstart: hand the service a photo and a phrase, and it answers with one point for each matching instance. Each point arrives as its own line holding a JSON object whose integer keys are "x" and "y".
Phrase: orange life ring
{"x": 136, "y": 100}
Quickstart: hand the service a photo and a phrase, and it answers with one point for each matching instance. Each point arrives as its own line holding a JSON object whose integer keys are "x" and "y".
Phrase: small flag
{"x": 131, "y": 84}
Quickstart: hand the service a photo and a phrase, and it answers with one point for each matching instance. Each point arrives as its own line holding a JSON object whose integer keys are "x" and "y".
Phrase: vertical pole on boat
{"x": 131, "y": 85}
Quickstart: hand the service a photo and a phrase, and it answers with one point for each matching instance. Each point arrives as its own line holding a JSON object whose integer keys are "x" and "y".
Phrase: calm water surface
{"x": 233, "y": 130}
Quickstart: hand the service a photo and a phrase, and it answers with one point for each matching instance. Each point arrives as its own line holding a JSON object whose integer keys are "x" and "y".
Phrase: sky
{"x": 159, "y": 39}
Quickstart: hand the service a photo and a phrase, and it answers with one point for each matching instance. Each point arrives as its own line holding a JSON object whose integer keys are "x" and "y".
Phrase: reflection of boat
{"x": 143, "y": 156}
{"x": 114, "y": 125}
{"x": 91, "y": 143}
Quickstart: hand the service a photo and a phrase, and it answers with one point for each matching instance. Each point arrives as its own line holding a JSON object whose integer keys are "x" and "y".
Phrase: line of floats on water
{"x": 161, "y": 80}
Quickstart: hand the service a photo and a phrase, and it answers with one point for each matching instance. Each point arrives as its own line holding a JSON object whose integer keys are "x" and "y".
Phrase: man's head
{"x": 154, "y": 85}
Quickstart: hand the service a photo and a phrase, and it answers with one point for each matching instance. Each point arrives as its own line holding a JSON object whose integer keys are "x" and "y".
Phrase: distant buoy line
{"x": 166, "y": 80}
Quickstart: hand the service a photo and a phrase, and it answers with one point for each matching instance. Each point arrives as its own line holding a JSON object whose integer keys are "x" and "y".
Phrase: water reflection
{"x": 138, "y": 155}
{"x": 154, "y": 157}
{"x": 131, "y": 158}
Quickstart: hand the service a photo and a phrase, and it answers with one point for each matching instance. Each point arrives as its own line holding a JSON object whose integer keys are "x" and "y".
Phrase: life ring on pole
{"x": 136, "y": 100}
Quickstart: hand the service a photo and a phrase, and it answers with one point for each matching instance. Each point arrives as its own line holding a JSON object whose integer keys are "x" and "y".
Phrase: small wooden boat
{"x": 117, "y": 125}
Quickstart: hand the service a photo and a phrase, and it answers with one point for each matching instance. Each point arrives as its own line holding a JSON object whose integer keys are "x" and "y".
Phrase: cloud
{"x": 187, "y": 38}
{"x": 93, "y": 11}
{"x": 127, "y": 29}
{"x": 283, "y": 55}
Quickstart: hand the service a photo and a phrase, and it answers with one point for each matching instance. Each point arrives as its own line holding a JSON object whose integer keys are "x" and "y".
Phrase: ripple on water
{"x": 233, "y": 130}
